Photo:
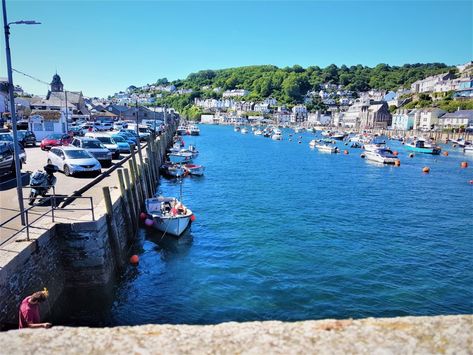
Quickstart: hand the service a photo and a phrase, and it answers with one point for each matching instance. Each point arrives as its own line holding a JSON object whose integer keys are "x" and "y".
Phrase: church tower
{"x": 56, "y": 84}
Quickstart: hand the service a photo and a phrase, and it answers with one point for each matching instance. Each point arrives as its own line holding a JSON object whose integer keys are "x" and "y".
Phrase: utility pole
{"x": 67, "y": 113}
{"x": 16, "y": 147}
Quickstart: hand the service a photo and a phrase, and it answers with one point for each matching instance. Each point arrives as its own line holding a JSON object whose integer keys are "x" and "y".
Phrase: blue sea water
{"x": 284, "y": 232}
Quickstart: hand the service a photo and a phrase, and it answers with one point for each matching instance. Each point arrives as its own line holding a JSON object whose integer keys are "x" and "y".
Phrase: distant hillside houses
{"x": 235, "y": 93}
{"x": 365, "y": 114}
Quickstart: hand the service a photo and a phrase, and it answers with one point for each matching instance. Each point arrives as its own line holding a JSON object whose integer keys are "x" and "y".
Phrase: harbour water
{"x": 283, "y": 232}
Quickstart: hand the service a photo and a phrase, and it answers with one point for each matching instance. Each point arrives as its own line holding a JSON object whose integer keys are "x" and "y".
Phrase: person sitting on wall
{"x": 29, "y": 311}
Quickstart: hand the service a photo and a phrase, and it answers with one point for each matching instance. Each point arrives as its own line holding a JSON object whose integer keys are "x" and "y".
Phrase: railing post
{"x": 27, "y": 225}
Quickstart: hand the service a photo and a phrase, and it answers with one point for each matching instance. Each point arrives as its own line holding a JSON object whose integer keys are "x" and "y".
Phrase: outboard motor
{"x": 42, "y": 181}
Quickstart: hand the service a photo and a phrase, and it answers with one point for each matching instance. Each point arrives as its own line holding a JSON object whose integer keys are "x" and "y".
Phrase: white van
{"x": 107, "y": 141}
{"x": 143, "y": 130}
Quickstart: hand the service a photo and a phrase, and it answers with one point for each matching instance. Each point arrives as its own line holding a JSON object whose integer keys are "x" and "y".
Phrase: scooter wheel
{"x": 32, "y": 198}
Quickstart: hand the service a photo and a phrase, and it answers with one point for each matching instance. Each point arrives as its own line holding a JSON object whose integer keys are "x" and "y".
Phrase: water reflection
{"x": 169, "y": 245}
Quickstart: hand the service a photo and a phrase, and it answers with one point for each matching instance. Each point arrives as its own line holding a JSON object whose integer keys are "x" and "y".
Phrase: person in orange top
{"x": 29, "y": 311}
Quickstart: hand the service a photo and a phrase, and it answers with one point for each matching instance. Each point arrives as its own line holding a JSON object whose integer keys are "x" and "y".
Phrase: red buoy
{"x": 395, "y": 153}
{"x": 143, "y": 216}
{"x": 464, "y": 164}
{"x": 397, "y": 163}
{"x": 345, "y": 151}
{"x": 135, "y": 259}
{"x": 426, "y": 169}
{"x": 445, "y": 153}
{"x": 193, "y": 218}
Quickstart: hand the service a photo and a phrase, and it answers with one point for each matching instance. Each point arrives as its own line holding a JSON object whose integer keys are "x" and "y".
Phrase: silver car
{"x": 72, "y": 160}
{"x": 94, "y": 147}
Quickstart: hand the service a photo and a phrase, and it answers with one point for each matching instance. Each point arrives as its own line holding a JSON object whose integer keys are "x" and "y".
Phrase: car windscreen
{"x": 143, "y": 130}
{"x": 92, "y": 144}
{"x": 54, "y": 136}
{"x": 118, "y": 139}
{"x": 77, "y": 154}
{"x": 106, "y": 140}
{"x": 6, "y": 137}
{"x": 21, "y": 134}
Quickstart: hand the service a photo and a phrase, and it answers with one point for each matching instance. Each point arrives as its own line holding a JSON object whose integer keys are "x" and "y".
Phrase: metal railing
{"x": 52, "y": 207}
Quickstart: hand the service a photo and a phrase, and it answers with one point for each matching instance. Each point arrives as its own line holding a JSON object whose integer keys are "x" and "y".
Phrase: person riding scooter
{"x": 42, "y": 181}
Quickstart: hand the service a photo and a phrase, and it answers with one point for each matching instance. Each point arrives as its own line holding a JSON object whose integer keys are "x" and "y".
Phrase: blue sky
{"x": 101, "y": 47}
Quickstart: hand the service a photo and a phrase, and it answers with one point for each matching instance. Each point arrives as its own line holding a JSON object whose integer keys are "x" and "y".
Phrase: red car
{"x": 54, "y": 140}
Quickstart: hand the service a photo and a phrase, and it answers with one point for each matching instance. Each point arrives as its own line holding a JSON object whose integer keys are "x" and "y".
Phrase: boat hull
{"x": 379, "y": 158}
{"x": 177, "y": 158}
{"x": 172, "y": 225}
{"x": 197, "y": 170}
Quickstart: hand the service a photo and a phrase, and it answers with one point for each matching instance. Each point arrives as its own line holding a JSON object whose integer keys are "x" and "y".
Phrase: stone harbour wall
{"x": 405, "y": 335}
{"x": 81, "y": 254}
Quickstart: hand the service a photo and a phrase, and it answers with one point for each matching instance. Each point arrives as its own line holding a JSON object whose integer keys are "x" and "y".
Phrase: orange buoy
{"x": 426, "y": 169}
{"x": 411, "y": 155}
{"x": 445, "y": 153}
{"x": 397, "y": 163}
{"x": 135, "y": 259}
{"x": 345, "y": 152}
{"x": 395, "y": 153}
{"x": 464, "y": 164}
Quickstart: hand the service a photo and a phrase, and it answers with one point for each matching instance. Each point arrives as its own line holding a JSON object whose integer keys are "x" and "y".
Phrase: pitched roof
{"x": 460, "y": 114}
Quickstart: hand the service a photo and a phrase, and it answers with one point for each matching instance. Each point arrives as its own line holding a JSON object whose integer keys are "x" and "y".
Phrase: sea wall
{"x": 405, "y": 335}
{"x": 82, "y": 254}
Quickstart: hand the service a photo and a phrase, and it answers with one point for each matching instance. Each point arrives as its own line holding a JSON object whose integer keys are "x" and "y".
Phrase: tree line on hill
{"x": 289, "y": 85}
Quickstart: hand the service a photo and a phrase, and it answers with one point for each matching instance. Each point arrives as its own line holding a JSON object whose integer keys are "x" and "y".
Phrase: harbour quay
{"x": 75, "y": 244}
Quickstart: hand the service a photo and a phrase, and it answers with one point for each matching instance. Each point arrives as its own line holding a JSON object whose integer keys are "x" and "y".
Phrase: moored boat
{"x": 244, "y": 130}
{"x": 194, "y": 130}
{"x": 181, "y": 130}
{"x": 194, "y": 169}
{"x": 421, "y": 146}
{"x": 381, "y": 155}
{"x": 468, "y": 149}
{"x": 169, "y": 215}
{"x": 277, "y": 135}
{"x": 172, "y": 170}
{"x": 327, "y": 148}
{"x": 180, "y": 157}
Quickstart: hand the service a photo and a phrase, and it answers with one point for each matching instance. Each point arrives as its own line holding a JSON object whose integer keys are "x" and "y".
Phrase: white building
{"x": 427, "y": 118}
{"x": 428, "y": 84}
{"x": 235, "y": 93}
{"x": 404, "y": 119}
{"x": 457, "y": 119}
{"x": 299, "y": 114}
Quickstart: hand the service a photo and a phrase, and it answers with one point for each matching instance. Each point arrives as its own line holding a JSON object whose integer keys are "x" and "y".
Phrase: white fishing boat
{"x": 338, "y": 135}
{"x": 194, "y": 130}
{"x": 244, "y": 130}
{"x": 326, "y": 148}
{"x": 381, "y": 155}
{"x": 180, "y": 157}
{"x": 313, "y": 143}
{"x": 277, "y": 135}
{"x": 194, "y": 169}
{"x": 181, "y": 130}
{"x": 326, "y": 133}
{"x": 258, "y": 132}
{"x": 374, "y": 146}
{"x": 193, "y": 149}
{"x": 169, "y": 215}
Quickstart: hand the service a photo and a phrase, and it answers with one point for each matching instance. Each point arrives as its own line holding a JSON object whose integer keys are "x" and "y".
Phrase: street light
{"x": 16, "y": 147}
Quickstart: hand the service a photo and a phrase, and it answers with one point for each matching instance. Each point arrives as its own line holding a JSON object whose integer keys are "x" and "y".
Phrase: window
{"x": 48, "y": 126}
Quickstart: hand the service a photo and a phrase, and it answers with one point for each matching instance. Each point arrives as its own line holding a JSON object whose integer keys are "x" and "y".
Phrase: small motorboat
{"x": 313, "y": 143}
{"x": 182, "y": 156}
{"x": 327, "y": 148}
{"x": 193, "y": 149}
{"x": 244, "y": 130}
{"x": 381, "y": 155}
{"x": 181, "y": 130}
{"x": 326, "y": 133}
{"x": 374, "y": 146}
{"x": 258, "y": 132}
{"x": 194, "y": 169}
{"x": 277, "y": 135}
{"x": 172, "y": 170}
{"x": 337, "y": 135}
{"x": 421, "y": 146}
{"x": 468, "y": 149}
{"x": 169, "y": 215}
{"x": 236, "y": 128}
{"x": 194, "y": 130}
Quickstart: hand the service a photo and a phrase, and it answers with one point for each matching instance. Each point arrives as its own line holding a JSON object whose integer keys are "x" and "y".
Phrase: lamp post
{"x": 19, "y": 184}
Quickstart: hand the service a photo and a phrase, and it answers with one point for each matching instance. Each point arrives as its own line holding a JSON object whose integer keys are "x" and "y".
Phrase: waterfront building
{"x": 427, "y": 118}
{"x": 404, "y": 119}
{"x": 457, "y": 119}
{"x": 299, "y": 114}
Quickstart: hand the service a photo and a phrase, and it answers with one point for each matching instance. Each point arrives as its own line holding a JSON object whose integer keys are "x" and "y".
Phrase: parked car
{"x": 76, "y": 131}
{"x": 7, "y": 161}
{"x": 107, "y": 141}
{"x": 143, "y": 131}
{"x": 130, "y": 139}
{"x": 27, "y": 138}
{"x": 104, "y": 126}
{"x": 121, "y": 142}
{"x": 54, "y": 140}
{"x": 88, "y": 127}
{"x": 119, "y": 125}
{"x": 7, "y": 137}
{"x": 94, "y": 147}
{"x": 72, "y": 160}
{"x": 130, "y": 133}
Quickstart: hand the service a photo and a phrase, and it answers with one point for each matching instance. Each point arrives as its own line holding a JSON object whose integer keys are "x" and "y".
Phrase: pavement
{"x": 65, "y": 186}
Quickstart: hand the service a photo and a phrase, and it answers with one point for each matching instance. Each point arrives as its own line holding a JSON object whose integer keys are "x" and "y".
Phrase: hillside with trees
{"x": 289, "y": 85}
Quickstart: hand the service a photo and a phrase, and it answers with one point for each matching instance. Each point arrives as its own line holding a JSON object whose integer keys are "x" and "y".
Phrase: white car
{"x": 107, "y": 141}
{"x": 72, "y": 160}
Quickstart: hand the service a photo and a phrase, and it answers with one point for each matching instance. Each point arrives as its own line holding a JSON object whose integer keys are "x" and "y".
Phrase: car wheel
{"x": 67, "y": 170}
